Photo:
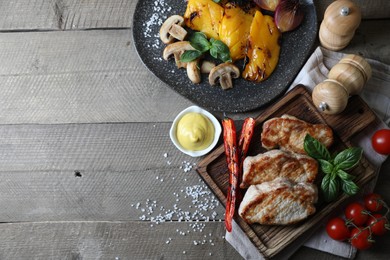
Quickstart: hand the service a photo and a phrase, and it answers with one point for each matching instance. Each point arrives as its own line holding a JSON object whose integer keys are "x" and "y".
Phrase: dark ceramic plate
{"x": 245, "y": 96}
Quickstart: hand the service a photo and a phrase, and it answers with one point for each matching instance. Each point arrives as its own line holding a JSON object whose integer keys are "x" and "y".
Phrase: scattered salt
{"x": 200, "y": 206}
{"x": 152, "y": 25}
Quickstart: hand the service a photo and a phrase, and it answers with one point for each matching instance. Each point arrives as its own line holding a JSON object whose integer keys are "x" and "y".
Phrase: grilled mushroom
{"x": 193, "y": 71}
{"x": 224, "y": 73}
{"x": 206, "y": 67}
{"x": 177, "y": 49}
{"x": 172, "y": 29}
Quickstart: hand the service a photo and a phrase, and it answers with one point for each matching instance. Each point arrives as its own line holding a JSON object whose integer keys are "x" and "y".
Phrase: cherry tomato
{"x": 378, "y": 224}
{"x": 360, "y": 238}
{"x": 337, "y": 229}
{"x": 373, "y": 202}
{"x": 356, "y": 212}
{"x": 381, "y": 141}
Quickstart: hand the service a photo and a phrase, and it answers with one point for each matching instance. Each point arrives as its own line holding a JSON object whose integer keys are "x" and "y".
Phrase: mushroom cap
{"x": 165, "y": 35}
{"x": 222, "y": 69}
{"x": 177, "y": 47}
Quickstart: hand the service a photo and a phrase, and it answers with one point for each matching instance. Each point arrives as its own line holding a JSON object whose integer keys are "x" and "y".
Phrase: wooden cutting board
{"x": 271, "y": 240}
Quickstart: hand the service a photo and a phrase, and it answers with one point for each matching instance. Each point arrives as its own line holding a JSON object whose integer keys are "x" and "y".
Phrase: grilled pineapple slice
{"x": 264, "y": 48}
{"x": 235, "y": 28}
{"x": 204, "y": 16}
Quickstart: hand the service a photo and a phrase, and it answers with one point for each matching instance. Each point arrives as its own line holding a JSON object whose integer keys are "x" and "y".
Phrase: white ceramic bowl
{"x": 214, "y": 121}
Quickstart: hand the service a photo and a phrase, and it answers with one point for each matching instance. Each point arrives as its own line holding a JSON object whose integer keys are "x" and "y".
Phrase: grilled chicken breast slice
{"x": 279, "y": 202}
{"x": 288, "y": 133}
{"x": 270, "y": 165}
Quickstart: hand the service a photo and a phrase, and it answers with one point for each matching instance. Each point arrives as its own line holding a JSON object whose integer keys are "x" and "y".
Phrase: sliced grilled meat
{"x": 268, "y": 166}
{"x": 279, "y": 202}
{"x": 288, "y": 133}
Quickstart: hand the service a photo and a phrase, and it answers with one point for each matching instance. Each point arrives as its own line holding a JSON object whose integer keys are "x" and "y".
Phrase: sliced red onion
{"x": 288, "y": 15}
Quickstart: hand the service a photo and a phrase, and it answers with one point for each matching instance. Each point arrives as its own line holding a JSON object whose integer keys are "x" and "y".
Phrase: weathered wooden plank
{"x": 370, "y": 9}
{"x": 80, "y": 76}
{"x": 155, "y": 195}
{"x": 65, "y": 14}
{"x": 97, "y": 172}
{"x": 28, "y": 15}
{"x": 114, "y": 240}
{"x": 75, "y": 14}
{"x": 88, "y": 147}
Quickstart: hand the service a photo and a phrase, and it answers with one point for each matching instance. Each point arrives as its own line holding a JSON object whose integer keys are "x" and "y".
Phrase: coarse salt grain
{"x": 152, "y": 26}
{"x": 200, "y": 207}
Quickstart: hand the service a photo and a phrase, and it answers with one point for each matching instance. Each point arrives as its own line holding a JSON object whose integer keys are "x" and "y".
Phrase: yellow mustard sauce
{"x": 195, "y": 132}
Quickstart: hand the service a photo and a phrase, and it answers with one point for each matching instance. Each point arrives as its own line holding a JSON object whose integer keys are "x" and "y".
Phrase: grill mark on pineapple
{"x": 268, "y": 53}
{"x": 193, "y": 16}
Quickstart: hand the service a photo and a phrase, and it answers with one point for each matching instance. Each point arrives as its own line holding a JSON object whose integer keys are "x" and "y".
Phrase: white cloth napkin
{"x": 376, "y": 94}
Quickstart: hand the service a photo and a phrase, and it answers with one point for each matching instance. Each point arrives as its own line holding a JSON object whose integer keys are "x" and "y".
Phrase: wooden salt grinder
{"x": 346, "y": 78}
{"x": 341, "y": 19}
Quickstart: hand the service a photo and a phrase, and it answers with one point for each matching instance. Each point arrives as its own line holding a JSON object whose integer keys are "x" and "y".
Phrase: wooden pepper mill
{"x": 341, "y": 19}
{"x": 346, "y": 78}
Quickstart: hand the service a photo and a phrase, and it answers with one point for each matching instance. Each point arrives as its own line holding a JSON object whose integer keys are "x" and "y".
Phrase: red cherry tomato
{"x": 360, "y": 238}
{"x": 337, "y": 229}
{"x": 373, "y": 202}
{"x": 378, "y": 224}
{"x": 357, "y": 213}
{"x": 381, "y": 141}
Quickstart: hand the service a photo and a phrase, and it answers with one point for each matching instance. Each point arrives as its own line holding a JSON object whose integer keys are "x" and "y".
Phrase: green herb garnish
{"x": 201, "y": 44}
{"x": 334, "y": 167}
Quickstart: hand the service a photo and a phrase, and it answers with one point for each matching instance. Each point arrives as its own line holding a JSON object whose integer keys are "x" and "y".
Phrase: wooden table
{"x": 87, "y": 169}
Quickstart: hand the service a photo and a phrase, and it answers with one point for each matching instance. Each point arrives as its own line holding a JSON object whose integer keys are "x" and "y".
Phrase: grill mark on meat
{"x": 278, "y": 202}
{"x": 288, "y": 133}
{"x": 276, "y": 163}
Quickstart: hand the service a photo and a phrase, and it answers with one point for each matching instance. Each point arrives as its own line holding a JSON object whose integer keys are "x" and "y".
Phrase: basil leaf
{"x": 349, "y": 187}
{"x": 315, "y": 149}
{"x": 345, "y": 176}
{"x": 220, "y": 50}
{"x": 219, "y": 46}
{"x": 325, "y": 183}
{"x": 348, "y": 158}
{"x": 199, "y": 41}
{"x": 190, "y": 55}
{"x": 330, "y": 188}
{"x": 214, "y": 53}
{"x": 326, "y": 166}
{"x": 225, "y": 57}
{"x": 216, "y": 1}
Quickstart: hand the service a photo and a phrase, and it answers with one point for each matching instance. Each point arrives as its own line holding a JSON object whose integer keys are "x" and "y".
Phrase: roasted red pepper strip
{"x": 233, "y": 163}
{"x": 243, "y": 145}
{"x": 246, "y": 136}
